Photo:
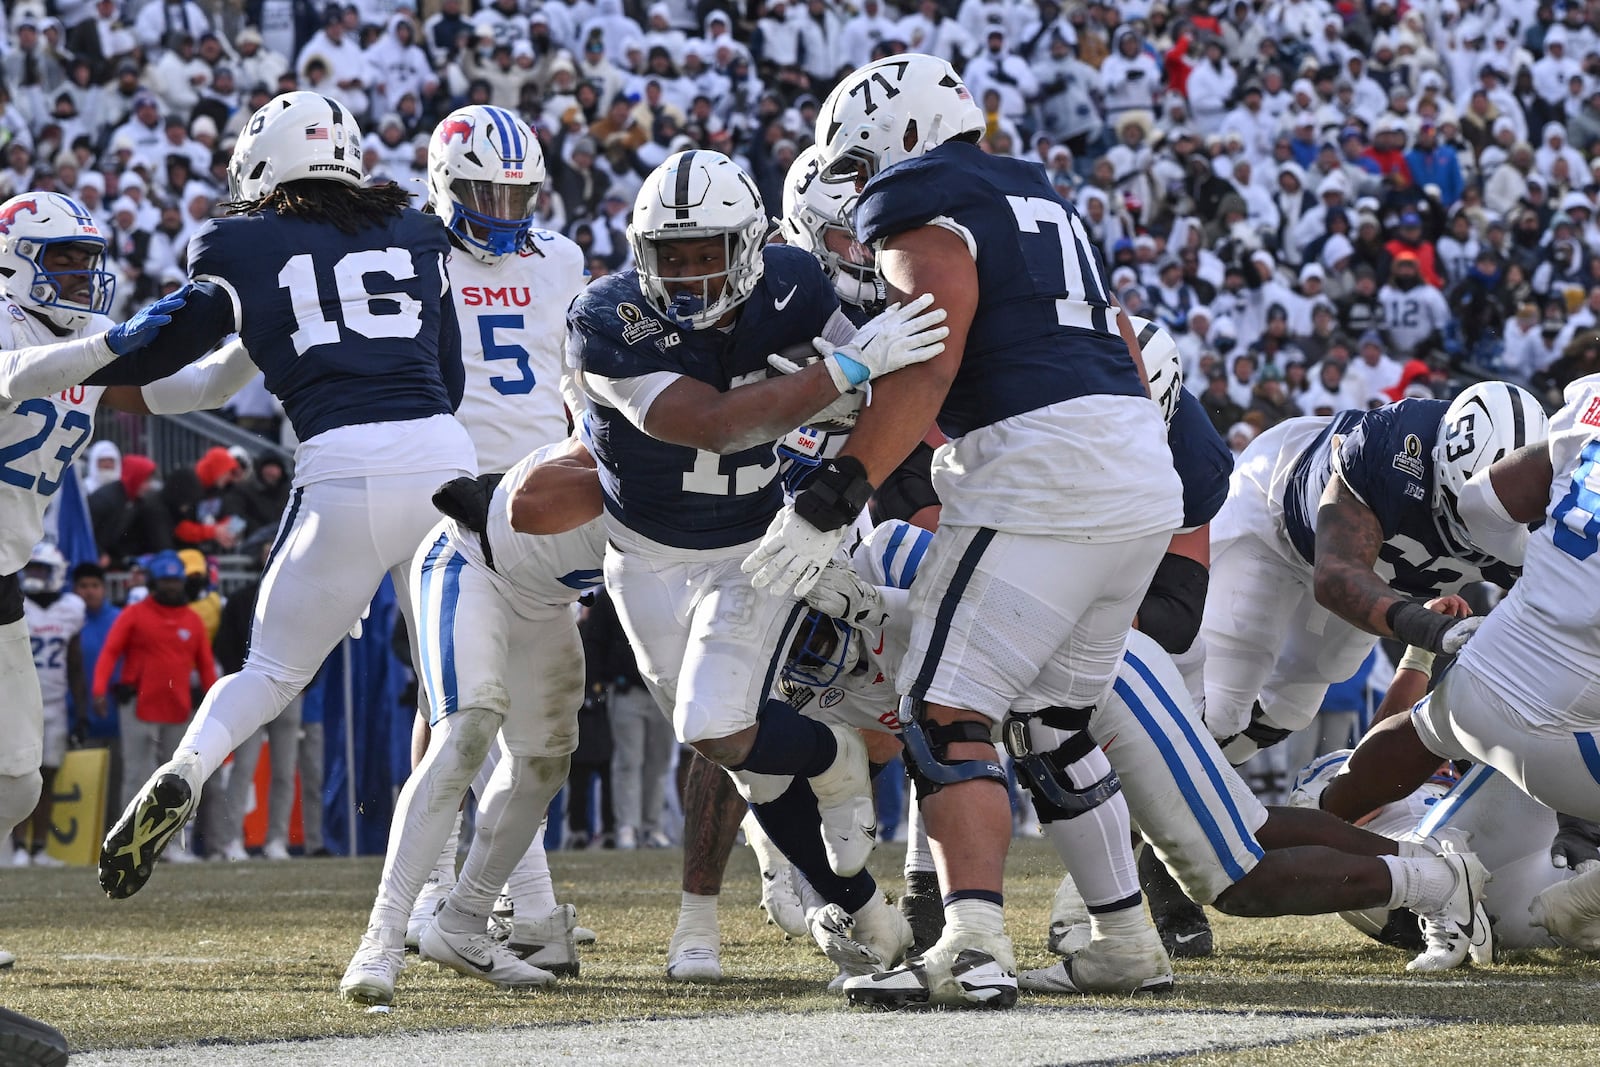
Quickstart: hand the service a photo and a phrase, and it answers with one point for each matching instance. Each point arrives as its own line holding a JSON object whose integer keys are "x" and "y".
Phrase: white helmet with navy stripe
{"x": 485, "y": 170}
{"x": 694, "y": 196}
{"x": 294, "y": 137}
{"x": 1486, "y": 422}
{"x": 816, "y": 218}
{"x": 891, "y": 110}
{"x": 1162, "y": 363}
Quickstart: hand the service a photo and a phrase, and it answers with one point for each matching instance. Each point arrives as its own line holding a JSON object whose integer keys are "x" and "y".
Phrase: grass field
{"x": 244, "y": 953}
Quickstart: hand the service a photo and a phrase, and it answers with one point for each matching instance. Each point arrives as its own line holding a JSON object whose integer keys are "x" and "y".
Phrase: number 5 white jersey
{"x": 38, "y": 438}
{"x": 513, "y": 317}
{"x": 1541, "y": 646}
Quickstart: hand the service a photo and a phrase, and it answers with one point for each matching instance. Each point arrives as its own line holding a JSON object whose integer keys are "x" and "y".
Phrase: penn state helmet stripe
{"x": 338, "y": 120}
{"x": 1188, "y": 731}
{"x": 680, "y": 192}
{"x": 1182, "y": 778}
{"x": 1519, "y": 424}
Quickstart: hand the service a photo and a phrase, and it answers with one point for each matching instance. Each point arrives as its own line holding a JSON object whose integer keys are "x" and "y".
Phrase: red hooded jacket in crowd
{"x": 159, "y": 647}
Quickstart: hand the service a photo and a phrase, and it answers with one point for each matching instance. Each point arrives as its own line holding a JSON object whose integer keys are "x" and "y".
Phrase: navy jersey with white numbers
{"x": 672, "y": 494}
{"x": 1386, "y": 458}
{"x": 1044, "y": 330}
{"x": 1202, "y": 459}
{"x": 347, "y": 328}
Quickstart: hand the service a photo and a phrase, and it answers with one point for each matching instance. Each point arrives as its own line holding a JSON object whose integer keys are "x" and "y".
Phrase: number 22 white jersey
{"x": 513, "y": 317}
{"x": 1541, "y": 646}
{"x": 38, "y": 438}
{"x": 50, "y": 630}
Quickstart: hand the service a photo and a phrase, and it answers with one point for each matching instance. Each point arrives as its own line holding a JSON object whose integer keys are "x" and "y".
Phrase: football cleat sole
{"x": 27, "y": 1042}
{"x": 129, "y": 854}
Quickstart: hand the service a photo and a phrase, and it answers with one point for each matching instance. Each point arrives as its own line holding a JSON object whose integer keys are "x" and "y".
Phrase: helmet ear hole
{"x": 909, "y": 141}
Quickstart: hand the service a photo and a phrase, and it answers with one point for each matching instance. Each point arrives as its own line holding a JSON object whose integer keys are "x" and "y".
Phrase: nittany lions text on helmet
{"x": 296, "y": 136}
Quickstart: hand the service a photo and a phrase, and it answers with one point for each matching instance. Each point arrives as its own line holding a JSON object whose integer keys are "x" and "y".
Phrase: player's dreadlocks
{"x": 341, "y": 206}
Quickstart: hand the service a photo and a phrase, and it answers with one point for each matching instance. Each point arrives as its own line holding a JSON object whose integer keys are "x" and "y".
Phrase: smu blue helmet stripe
{"x": 510, "y": 137}
{"x": 1445, "y": 810}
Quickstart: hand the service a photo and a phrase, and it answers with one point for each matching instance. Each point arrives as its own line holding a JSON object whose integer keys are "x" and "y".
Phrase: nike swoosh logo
{"x": 779, "y": 305}
{"x": 484, "y": 967}
{"x": 1184, "y": 939}
{"x": 879, "y": 650}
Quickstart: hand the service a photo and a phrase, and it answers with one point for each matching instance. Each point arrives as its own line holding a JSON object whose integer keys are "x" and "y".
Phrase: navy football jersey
{"x": 1202, "y": 459}
{"x": 673, "y": 494}
{"x": 347, "y": 328}
{"x": 1386, "y": 458}
{"x": 1044, "y": 330}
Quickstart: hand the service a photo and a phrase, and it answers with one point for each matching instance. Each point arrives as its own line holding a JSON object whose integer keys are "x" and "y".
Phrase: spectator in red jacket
{"x": 1410, "y": 239}
{"x": 193, "y": 497}
{"x": 161, "y": 644}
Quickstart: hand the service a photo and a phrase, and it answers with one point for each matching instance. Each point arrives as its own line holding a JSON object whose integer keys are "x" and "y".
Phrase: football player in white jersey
{"x": 512, "y": 284}
{"x": 1522, "y": 696}
{"x": 58, "y": 361}
{"x": 55, "y": 617}
{"x": 500, "y": 656}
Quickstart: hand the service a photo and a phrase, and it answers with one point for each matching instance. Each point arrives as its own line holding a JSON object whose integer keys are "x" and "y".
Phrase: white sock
{"x": 1096, "y": 846}
{"x": 235, "y": 708}
{"x": 1424, "y": 884}
{"x": 428, "y": 811}
{"x": 697, "y": 914}
{"x": 919, "y": 854}
{"x": 976, "y": 916}
{"x": 532, "y": 893}
{"x": 1124, "y": 922}
{"x": 510, "y": 813}
{"x": 455, "y": 920}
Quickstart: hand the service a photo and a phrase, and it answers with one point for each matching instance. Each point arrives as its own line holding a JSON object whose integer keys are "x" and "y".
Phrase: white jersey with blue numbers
{"x": 1410, "y": 316}
{"x": 663, "y": 494}
{"x": 39, "y": 437}
{"x": 535, "y": 574}
{"x": 1540, "y": 646}
{"x": 513, "y": 318}
{"x": 50, "y": 630}
{"x": 1385, "y": 457}
{"x": 1052, "y": 432}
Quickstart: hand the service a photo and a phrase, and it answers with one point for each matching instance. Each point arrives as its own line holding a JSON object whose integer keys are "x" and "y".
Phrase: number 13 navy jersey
{"x": 1044, "y": 330}
{"x": 347, "y": 328}
{"x": 672, "y": 494}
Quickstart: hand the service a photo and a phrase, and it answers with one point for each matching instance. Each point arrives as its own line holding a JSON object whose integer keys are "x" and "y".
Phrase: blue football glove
{"x": 140, "y": 330}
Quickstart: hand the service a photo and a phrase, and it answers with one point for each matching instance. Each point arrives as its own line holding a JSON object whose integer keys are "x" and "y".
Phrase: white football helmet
{"x": 1162, "y": 363}
{"x": 891, "y": 110}
{"x": 30, "y": 225}
{"x": 293, "y": 137}
{"x": 1484, "y": 423}
{"x": 485, "y": 169}
{"x": 691, "y": 196}
{"x": 45, "y": 571}
{"x": 816, "y": 218}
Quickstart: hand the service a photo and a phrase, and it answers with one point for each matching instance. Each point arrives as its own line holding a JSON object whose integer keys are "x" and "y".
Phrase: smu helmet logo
{"x": 451, "y": 127}
{"x": 8, "y": 215}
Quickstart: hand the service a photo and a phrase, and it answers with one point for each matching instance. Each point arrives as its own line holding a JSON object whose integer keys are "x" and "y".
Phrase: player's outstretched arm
{"x": 559, "y": 494}
{"x": 168, "y": 340}
{"x": 201, "y": 386}
{"x": 698, "y": 415}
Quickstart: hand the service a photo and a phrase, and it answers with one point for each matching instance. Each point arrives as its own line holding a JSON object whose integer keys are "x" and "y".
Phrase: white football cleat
{"x": 1070, "y": 930}
{"x": 44, "y": 859}
{"x": 871, "y": 940}
{"x": 780, "y": 898}
{"x": 7, "y": 960}
{"x": 480, "y": 956}
{"x": 370, "y": 977}
{"x": 694, "y": 956}
{"x": 275, "y": 850}
{"x": 963, "y": 970}
{"x": 546, "y": 943}
{"x": 1122, "y": 965}
{"x": 1461, "y": 929}
{"x": 429, "y": 901}
{"x": 1570, "y": 911}
{"x": 844, "y": 797}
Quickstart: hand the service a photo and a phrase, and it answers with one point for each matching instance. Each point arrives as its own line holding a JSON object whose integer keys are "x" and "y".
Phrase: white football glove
{"x": 1457, "y": 636}
{"x": 356, "y": 630}
{"x": 841, "y": 594}
{"x": 791, "y": 556}
{"x": 1222, "y": 727}
{"x": 900, "y": 336}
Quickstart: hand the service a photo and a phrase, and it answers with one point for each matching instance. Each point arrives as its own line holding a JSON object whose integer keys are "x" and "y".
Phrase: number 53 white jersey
{"x": 38, "y": 438}
{"x": 1541, "y": 645}
{"x": 513, "y": 318}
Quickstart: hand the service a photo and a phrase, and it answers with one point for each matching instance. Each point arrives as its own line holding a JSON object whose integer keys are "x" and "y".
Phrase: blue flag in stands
{"x": 74, "y": 531}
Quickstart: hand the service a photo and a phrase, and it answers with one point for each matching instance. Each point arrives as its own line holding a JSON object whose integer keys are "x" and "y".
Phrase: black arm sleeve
{"x": 1174, "y": 603}
{"x": 196, "y": 328}
{"x": 908, "y": 489}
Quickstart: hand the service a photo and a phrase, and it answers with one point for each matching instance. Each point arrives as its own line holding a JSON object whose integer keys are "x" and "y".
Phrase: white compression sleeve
{"x": 205, "y": 384}
{"x": 40, "y": 370}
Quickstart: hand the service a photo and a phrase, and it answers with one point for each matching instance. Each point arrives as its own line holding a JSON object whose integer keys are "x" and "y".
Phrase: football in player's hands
{"x": 839, "y": 415}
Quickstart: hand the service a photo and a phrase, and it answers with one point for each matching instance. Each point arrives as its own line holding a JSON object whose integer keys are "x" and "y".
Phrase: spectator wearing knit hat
{"x": 193, "y": 498}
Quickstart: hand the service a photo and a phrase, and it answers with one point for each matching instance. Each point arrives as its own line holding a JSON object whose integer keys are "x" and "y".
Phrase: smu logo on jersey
{"x": 9, "y": 214}
{"x": 510, "y": 296}
{"x": 1591, "y": 414}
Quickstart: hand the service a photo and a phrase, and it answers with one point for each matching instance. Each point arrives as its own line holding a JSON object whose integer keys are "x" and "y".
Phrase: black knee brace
{"x": 1045, "y": 773}
{"x": 927, "y": 744}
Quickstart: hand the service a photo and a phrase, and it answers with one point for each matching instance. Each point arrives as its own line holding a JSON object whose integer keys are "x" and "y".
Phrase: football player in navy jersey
{"x": 369, "y": 376}
{"x": 1048, "y": 539}
{"x": 1336, "y": 532}
{"x": 683, "y": 423}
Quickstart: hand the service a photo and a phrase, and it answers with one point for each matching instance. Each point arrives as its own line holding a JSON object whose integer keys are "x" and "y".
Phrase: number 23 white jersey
{"x": 1541, "y": 645}
{"x": 513, "y": 318}
{"x": 38, "y": 438}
